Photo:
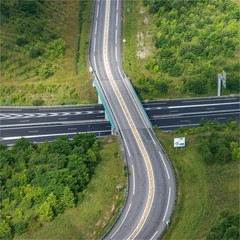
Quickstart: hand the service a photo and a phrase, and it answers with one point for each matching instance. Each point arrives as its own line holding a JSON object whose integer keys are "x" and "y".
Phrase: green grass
{"x": 204, "y": 190}
{"x": 69, "y": 76}
{"x": 101, "y": 203}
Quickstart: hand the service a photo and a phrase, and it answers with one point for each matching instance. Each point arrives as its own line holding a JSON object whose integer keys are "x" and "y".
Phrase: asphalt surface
{"x": 151, "y": 192}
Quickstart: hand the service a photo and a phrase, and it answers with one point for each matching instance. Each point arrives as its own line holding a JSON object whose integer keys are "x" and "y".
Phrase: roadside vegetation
{"x": 192, "y": 41}
{"x": 44, "y": 52}
{"x": 64, "y": 189}
{"x": 208, "y": 178}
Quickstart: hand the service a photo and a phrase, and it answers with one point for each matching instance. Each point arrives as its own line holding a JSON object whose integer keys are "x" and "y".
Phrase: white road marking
{"x": 210, "y": 108}
{"x": 152, "y": 138}
{"x": 174, "y": 111}
{"x": 35, "y": 131}
{"x": 72, "y": 129}
{"x": 221, "y": 118}
{"x": 117, "y": 19}
{"x": 97, "y": 10}
{"x": 117, "y": 5}
{"x": 24, "y": 120}
{"x": 94, "y": 45}
{"x": 126, "y": 146}
{"x": 47, "y": 135}
{"x": 133, "y": 179}
{"x": 220, "y": 99}
{"x": 184, "y": 120}
{"x": 116, "y": 54}
{"x": 96, "y": 27}
{"x": 116, "y": 36}
{"x": 167, "y": 204}
{"x": 164, "y": 165}
{"x": 204, "y": 105}
{"x": 122, "y": 221}
{"x": 154, "y": 235}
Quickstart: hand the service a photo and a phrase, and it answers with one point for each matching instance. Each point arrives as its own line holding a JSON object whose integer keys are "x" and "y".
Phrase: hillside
{"x": 178, "y": 48}
{"x": 44, "y": 52}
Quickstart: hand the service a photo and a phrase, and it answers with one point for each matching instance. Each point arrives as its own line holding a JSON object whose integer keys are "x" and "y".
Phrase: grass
{"x": 69, "y": 76}
{"x": 204, "y": 190}
{"x": 91, "y": 218}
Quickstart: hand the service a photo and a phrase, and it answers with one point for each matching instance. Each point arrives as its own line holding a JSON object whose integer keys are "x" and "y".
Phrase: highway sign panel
{"x": 179, "y": 142}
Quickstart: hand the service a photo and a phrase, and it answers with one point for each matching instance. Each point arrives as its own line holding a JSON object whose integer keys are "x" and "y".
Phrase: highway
{"x": 52, "y": 122}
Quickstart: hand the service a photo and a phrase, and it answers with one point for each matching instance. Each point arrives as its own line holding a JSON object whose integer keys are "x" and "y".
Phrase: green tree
{"x": 5, "y": 230}
{"x": 67, "y": 199}
{"x": 45, "y": 212}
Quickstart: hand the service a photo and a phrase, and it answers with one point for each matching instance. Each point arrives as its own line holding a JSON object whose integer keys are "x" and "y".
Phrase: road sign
{"x": 179, "y": 142}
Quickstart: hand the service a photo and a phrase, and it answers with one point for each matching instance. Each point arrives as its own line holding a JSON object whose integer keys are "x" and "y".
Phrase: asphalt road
{"x": 151, "y": 192}
{"x": 167, "y": 115}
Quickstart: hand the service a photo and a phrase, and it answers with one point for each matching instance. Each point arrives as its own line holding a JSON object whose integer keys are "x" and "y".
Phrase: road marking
{"x": 117, "y": 19}
{"x": 47, "y": 135}
{"x": 72, "y": 129}
{"x": 152, "y": 138}
{"x": 204, "y": 105}
{"x": 164, "y": 165}
{"x": 133, "y": 179}
{"x": 169, "y": 194}
{"x": 33, "y": 131}
{"x": 116, "y": 36}
{"x": 24, "y": 120}
{"x": 221, "y": 118}
{"x": 184, "y": 121}
{"x": 96, "y": 27}
{"x": 126, "y": 146}
{"x": 154, "y": 235}
{"x": 174, "y": 111}
{"x": 209, "y": 100}
{"x": 142, "y": 148}
{"x": 94, "y": 48}
{"x": 97, "y": 10}
{"x": 117, "y": 4}
{"x": 122, "y": 221}
{"x": 210, "y": 108}
{"x": 116, "y": 54}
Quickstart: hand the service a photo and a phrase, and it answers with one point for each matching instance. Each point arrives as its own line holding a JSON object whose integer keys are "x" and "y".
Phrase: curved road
{"x": 151, "y": 183}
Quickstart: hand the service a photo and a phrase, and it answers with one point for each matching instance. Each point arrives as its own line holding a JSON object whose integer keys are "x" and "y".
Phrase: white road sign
{"x": 179, "y": 142}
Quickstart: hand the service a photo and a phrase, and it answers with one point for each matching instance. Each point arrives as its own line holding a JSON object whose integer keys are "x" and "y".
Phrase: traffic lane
{"x": 172, "y": 123}
{"x": 204, "y": 108}
{"x": 167, "y": 103}
{"x": 138, "y": 189}
{"x": 63, "y": 128}
{"x": 34, "y": 139}
{"x": 11, "y": 118}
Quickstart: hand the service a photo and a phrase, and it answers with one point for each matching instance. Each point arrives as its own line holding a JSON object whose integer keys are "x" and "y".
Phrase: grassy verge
{"x": 204, "y": 190}
{"x": 69, "y": 81}
{"x": 101, "y": 203}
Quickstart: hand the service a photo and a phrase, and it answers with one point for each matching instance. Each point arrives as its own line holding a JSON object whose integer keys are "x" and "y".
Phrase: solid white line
{"x": 133, "y": 179}
{"x": 116, "y": 36}
{"x": 97, "y": 10}
{"x": 210, "y": 100}
{"x": 48, "y": 135}
{"x": 164, "y": 165}
{"x": 152, "y": 138}
{"x": 94, "y": 49}
{"x": 167, "y": 204}
{"x": 117, "y": 4}
{"x": 117, "y": 20}
{"x": 204, "y": 105}
{"x": 126, "y": 146}
{"x": 116, "y": 54}
{"x": 122, "y": 221}
{"x": 96, "y": 27}
{"x": 154, "y": 235}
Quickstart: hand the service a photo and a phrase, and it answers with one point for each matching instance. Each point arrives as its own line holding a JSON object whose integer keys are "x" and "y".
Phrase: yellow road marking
{"x": 134, "y": 129}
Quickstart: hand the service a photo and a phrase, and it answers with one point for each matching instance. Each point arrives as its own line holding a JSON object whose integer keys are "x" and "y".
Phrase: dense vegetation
{"x": 40, "y": 52}
{"x": 208, "y": 193}
{"x": 39, "y": 181}
{"x": 194, "y": 40}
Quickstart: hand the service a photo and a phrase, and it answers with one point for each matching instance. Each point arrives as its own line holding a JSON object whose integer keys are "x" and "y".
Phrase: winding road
{"x": 151, "y": 192}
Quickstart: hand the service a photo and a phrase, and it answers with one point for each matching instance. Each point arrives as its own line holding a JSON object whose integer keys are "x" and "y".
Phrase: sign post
{"x": 179, "y": 142}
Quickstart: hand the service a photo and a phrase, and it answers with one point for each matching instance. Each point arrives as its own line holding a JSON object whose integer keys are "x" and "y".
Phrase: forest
{"x": 194, "y": 41}
{"x": 40, "y": 181}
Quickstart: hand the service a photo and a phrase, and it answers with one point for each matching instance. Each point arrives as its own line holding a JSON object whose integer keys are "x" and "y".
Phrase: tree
{"x": 5, "y": 230}
{"x": 67, "y": 199}
{"x": 61, "y": 146}
{"x": 45, "y": 212}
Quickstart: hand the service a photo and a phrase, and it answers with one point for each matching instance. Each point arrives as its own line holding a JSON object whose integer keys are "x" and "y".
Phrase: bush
{"x": 161, "y": 86}
{"x": 20, "y": 228}
{"x": 38, "y": 102}
{"x": 21, "y": 41}
{"x": 36, "y": 51}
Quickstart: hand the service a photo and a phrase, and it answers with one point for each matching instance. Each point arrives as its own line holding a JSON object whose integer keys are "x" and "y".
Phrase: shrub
{"x": 21, "y": 41}
{"x": 20, "y": 228}
{"x": 161, "y": 86}
{"x": 38, "y": 102}
{"x": 36, "y": 51}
